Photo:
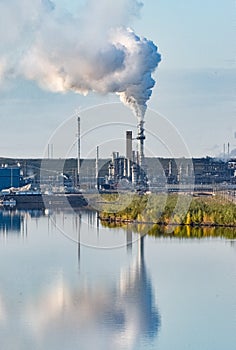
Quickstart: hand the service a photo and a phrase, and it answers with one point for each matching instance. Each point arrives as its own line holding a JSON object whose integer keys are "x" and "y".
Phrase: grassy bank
{"x": 170, "y": 210}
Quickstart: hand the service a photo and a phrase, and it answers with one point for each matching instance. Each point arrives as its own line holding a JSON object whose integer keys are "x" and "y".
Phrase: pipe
{"x": 78, "y": 160}
{"x": 96, "y": 166}
{"x": 141, "y": 138}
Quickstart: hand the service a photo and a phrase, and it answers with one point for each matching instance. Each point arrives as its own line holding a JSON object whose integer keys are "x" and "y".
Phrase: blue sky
{"x": 195, "y": 87}
{"x": 191, "y": 34}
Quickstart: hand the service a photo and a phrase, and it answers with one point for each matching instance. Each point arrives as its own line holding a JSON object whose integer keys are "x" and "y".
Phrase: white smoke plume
{"x": 91, "y": 50}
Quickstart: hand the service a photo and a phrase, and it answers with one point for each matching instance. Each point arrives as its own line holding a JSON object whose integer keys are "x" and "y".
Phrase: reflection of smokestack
{"x": 141, "y": 138}
{"x": 78, "y": 229}
{"x": 129, "y": 239}
{"x": 141, "y": 249}
{"x": 129, "y": 145}
{"x": 78, "y": 164}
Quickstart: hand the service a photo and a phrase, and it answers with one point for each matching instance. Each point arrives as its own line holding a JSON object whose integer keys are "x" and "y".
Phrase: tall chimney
{"x": 129, "y": 145}
{"x": 96, "y": 166}
{"x": 78, "y": 160}
{"x": 141, "y": 138}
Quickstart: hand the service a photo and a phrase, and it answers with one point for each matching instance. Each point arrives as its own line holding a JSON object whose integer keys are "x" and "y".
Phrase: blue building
{"x": 9, "y": 177}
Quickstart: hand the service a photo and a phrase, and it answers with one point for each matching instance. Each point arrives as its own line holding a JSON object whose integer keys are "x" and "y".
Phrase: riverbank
{"x": 172, "y": 210}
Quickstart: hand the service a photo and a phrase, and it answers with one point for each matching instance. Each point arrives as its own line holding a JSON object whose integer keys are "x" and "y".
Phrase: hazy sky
{"x": 195, "y": 89}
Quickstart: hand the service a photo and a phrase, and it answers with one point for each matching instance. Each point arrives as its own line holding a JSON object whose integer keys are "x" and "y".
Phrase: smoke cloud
{"x": 90, "y": 50}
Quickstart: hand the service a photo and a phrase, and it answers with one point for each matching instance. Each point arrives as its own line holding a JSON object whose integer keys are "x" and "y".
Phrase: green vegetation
{"x": 170, "y": 209}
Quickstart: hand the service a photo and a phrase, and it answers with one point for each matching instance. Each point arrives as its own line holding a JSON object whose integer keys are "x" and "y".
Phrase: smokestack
{"x": 78, "y": 160}
{"x": 228, "y": 149}
{"x": 141, "y": 138}
{"x": 129, "y": 145}
{"x": 50, "y": 151}
{"x": 170, "y": 168}
{"x": 125, "y": 167}
{"x": 96, "y": 166}
{"x": 129, "y": 152}
{"x": 134, "y": 174}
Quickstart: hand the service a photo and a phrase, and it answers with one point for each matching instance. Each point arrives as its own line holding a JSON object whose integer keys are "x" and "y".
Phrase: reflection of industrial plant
{"x": 10, "y": 221}
{"x": 124, "y": 314}
{"x": 15, "y": 221}
{"x": 118, "y": 315}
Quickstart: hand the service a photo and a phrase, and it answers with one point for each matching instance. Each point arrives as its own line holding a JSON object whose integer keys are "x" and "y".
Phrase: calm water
{"x": 154, "y": 293}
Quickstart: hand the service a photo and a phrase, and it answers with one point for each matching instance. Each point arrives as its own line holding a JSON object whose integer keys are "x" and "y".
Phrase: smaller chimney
{"x": 129, "y": 145}
{"x": 96, "y": 166}
{"x": 78, "y": 160}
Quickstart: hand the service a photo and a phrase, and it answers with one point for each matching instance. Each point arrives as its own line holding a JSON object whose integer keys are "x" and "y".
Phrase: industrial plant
{"x": 130, "y": 172}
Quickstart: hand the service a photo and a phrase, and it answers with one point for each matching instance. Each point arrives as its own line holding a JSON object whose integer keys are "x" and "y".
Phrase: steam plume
{"x": 92, "y": 50}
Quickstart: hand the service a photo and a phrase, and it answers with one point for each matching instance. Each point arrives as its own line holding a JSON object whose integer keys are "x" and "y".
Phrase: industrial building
{"x": 132, "y": 171}
{"x": 9, "y": 177}
{"x": 125, "y": 172}
{"x": 105, "y": 173}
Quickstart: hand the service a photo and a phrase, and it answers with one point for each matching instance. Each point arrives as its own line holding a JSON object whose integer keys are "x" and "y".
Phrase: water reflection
{"x": 2, "y": 311}
{"x": 233, "y": 244}
{"x": 117, "y": 314}
{"x": 15, "y": 221}
{"x": 129, "y": 239}
{"x": 10, "y": 221}
{"x": 175, "y": 231}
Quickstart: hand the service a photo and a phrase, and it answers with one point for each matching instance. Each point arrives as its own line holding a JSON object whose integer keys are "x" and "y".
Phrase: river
{"x": 67, "y": 282}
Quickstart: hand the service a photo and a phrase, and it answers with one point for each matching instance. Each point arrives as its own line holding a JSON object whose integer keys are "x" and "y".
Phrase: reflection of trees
{"x": 178, "y": 231}
{"x": 124, "y": 313}
{"x": 192, "y": 232}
